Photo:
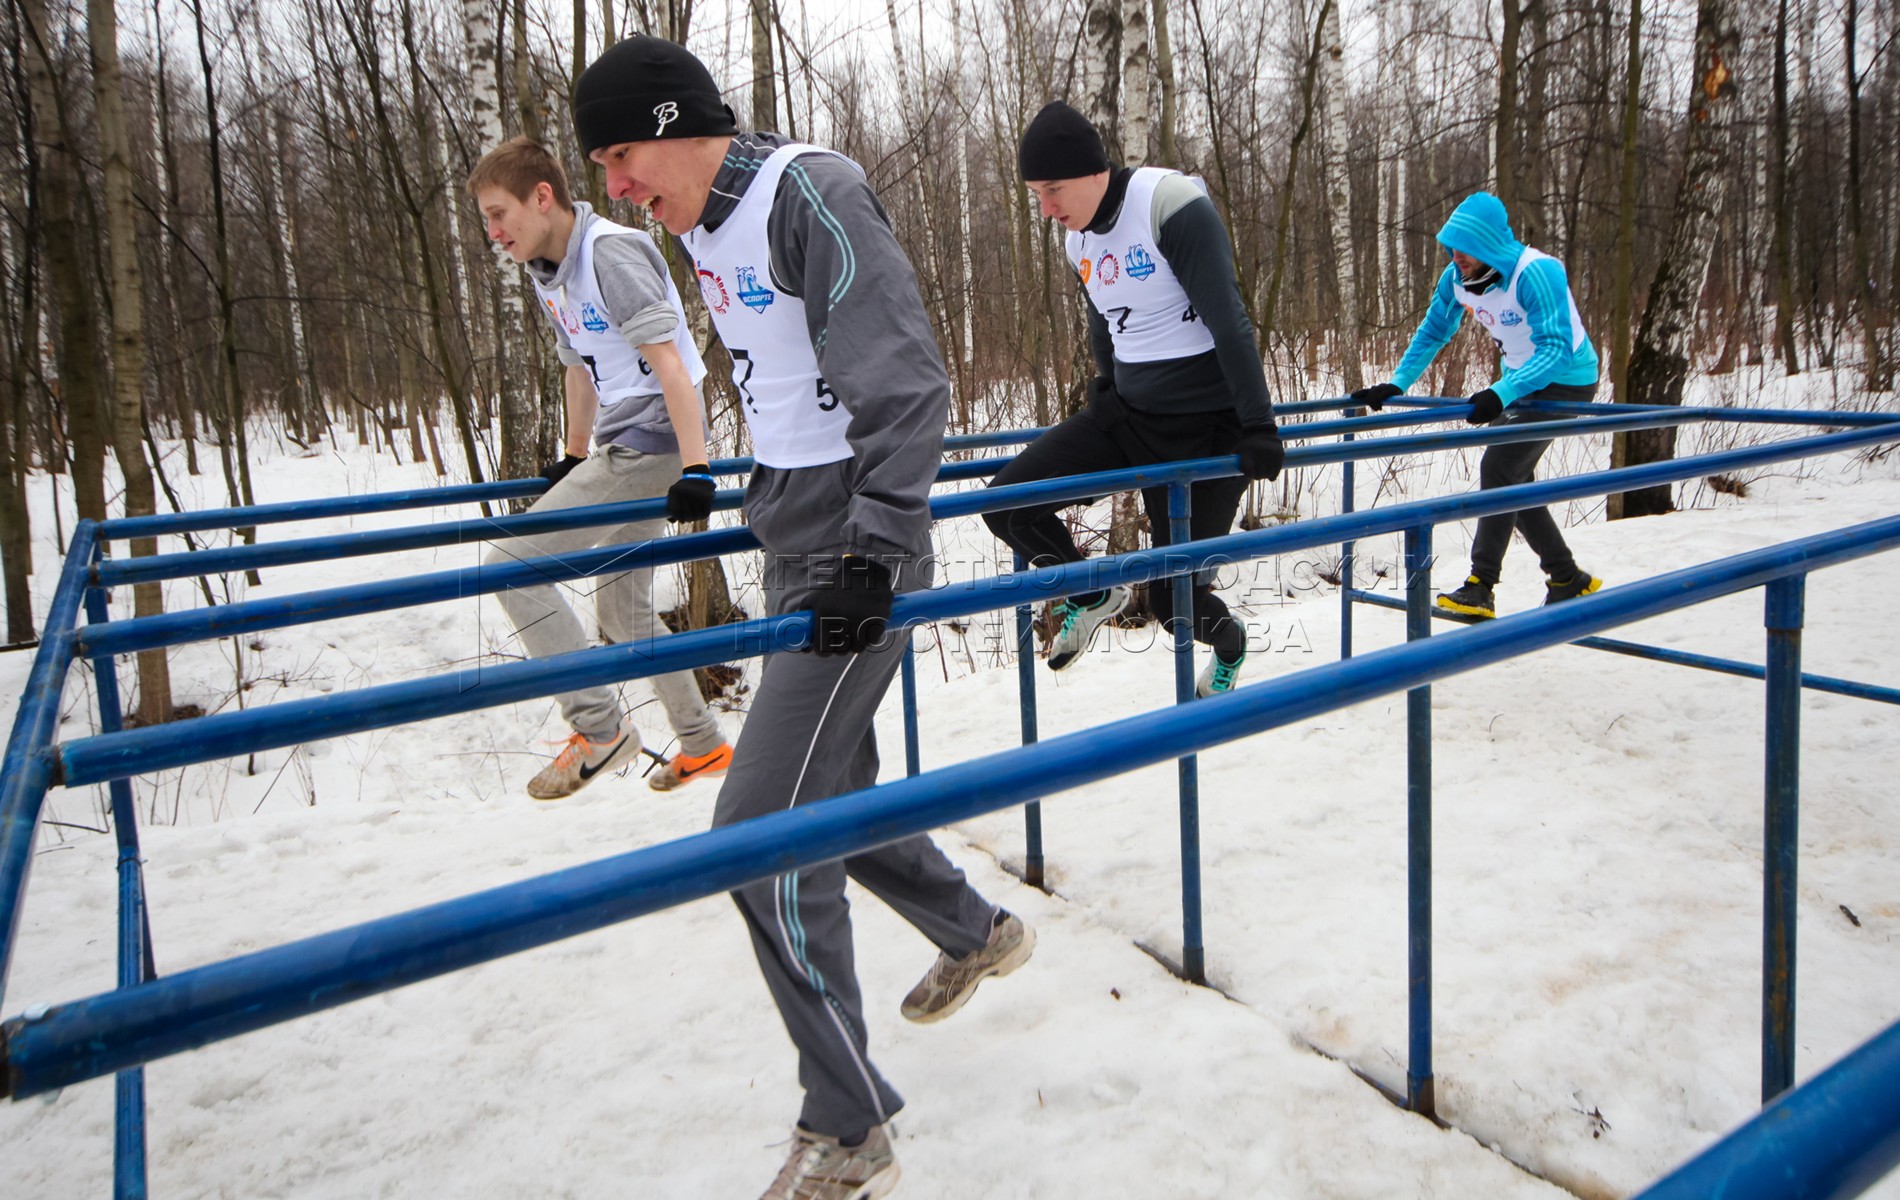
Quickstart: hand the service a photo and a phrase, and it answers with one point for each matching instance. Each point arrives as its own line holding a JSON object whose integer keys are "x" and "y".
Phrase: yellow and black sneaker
{"x": 1473, "y": 601}
{"x": 1580, "y": 584}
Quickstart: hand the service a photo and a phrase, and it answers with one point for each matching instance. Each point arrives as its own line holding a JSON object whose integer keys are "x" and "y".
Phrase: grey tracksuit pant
{"x": 623, "y": 604}
{"x": 809, "y": 736}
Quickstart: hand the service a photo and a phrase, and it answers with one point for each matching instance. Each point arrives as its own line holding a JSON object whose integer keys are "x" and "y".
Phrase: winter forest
{"x": 227, "y": 220}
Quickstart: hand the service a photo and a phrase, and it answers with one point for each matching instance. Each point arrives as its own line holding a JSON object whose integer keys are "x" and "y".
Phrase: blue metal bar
{"x": 1346, "y": 504}
{"x": 1831, "y": 1138}
{"x": 1684, "y": 658}
{"x": 1745, "y": 416}
{"x": 182, "y": 564}
{"x": 1420, "y": 1088}
{"x": 465, "y": 493}
{"x": 1781, "y": 836}
{"x": 912, "y": 754}
{"x": 92, "y": 760}
{"x": 310, "y": 510}
{"x": 128, "y": 1173}
{"x": 1026, "y": 706}
{"x": 27, "y": 769}
{"x": 1187, "y": 768}
{"x": 359, "y": 599}
{"x": 100, "y": 1034}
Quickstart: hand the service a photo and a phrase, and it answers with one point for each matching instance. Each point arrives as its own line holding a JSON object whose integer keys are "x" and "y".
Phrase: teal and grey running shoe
{"x": 1077, "y": 624}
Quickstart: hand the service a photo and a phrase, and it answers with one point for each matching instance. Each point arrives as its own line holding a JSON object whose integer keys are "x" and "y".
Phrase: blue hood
{"x": 1480, "y": 227}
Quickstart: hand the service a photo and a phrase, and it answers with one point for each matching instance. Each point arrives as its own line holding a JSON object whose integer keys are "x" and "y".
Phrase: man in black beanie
{"x": 846, "y": 400}
{"x": 1178, "y": 373}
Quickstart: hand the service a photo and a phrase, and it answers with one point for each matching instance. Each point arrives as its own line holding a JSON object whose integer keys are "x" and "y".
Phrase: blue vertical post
{"x": 1782, "y": 805}
{"x": 128, "y": 1173}
{"x": 1420, "y": 1094}
{"x": 912, "y": 757}
{"x": 1193, "y": 953}
{"x": 1345, "y": 551}
{"x": 1026, "y": 702}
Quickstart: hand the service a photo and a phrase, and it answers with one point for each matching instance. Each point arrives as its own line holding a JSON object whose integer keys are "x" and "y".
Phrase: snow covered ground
{"x": 1598, "y": 896}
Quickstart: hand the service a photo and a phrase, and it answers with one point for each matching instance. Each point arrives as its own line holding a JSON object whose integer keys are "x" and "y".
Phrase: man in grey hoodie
{"x": 846, "y": 399}
{"x": 632, "y": 384}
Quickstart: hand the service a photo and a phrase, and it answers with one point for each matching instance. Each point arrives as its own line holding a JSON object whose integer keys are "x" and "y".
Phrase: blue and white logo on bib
{"x": 1510, "y": 317}
{"x": 754, "y": 297}
{"x": 1139, "y": 264}
{"x": 591, "y": 318}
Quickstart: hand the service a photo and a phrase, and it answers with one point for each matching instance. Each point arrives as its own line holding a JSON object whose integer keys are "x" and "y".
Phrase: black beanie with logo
{"x": 1061, "y": 144}
{"x": 645, "y": 88}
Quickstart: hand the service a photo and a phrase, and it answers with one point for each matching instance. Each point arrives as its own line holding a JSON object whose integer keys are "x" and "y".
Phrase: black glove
{"x": 1374, "y": 397}
{"x": 691, "y": 496}
{"x": 555, "y": 472}
{"x": 1261, "y": 453}
{"x": 1486, "y": 407}
{"x": 850, "y": 609}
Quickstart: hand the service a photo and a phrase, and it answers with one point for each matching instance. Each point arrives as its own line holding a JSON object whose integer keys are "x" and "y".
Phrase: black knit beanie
{"x": 1061, "y": 144}
{"x": 646, "y": 88}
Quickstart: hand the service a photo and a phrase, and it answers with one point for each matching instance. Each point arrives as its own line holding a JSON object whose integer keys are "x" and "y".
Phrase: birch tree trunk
{"x": 128, "y": 340}
{"x": 1136, "y": 74}
{"x": 1339, "y": 196}
{"x": 1101, "y": 73}
{"x": 20, "y": 325}
{"x": 520, "y": 433}
{"x": 1659, "y": 365}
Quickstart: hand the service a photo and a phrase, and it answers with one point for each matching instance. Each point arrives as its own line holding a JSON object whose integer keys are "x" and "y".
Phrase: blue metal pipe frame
{"x": 95, "y": 759}
{"x": 385, "y": 595}
{"x": 1187, "y": 767}
{"x": 100, "y": 1034}
{"x": 1781, "y": 791}
{"x": 16, "y": 771}
{"x": 1420, "y": 1090}
{"x": 1026, "y": 704}
{"x": 1682, "y": 658}
{"x": 128, "y": 1175}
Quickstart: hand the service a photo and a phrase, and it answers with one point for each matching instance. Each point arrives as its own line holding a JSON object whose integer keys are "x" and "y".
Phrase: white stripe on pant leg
{"x": 783, "y": 888}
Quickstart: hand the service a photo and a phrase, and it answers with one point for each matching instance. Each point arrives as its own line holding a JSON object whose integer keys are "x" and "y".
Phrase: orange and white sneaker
{"x": 583, "y": 760}
{"x": 684, "y": 768}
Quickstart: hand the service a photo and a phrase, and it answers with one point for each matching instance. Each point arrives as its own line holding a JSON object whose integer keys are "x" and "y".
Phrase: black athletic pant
{"x": 1109, "y": 435}
{"x": 1516, "y": 462}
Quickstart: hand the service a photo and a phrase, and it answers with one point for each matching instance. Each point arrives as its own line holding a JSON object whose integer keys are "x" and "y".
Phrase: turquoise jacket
{"x": 1480, "y": 228}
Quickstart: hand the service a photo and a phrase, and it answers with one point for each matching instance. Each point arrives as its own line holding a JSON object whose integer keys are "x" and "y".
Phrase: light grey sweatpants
{"x": 809, "y": 736}
{"x": 623, "y": 604}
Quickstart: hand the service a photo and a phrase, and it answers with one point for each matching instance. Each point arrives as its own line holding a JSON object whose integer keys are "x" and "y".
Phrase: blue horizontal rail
{"x": 1830, "y": 1138}
{"x": 28, "y": 767}
{"x": 1825, "y": 418}
{"x": 1681, "y": 658}
{"x": 510, "y": 489}
{"x": 437, "y": 497}
{"x": 114, "y": 756}
{"x": 301, "y": 608}
{"x": 90, "y": 1037}
{"x": 178, "y": 565}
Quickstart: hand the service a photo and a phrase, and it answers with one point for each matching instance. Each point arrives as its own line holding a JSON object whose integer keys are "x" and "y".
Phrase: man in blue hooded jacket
{"x": 1522, "y": 298}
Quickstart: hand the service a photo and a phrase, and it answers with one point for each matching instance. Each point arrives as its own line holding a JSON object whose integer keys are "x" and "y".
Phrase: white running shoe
{"x": 1077, "y": 625}
{"x": 950, "y": 982}
{"x": 1218, "y": 676}
{"x": 819, "y": 1168}
{"x": 581, "y": 761}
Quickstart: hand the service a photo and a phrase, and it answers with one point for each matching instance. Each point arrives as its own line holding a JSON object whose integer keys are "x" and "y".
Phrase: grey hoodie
{"x": 632, "y": 277}
{"x": 832, "y": 247}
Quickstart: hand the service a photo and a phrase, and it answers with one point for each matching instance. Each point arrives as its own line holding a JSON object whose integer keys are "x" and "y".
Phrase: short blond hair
{"x": 518, "y": 165}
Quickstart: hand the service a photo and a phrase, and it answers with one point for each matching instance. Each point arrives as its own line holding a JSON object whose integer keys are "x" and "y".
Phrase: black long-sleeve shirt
{"x": 1192, "y": 238}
